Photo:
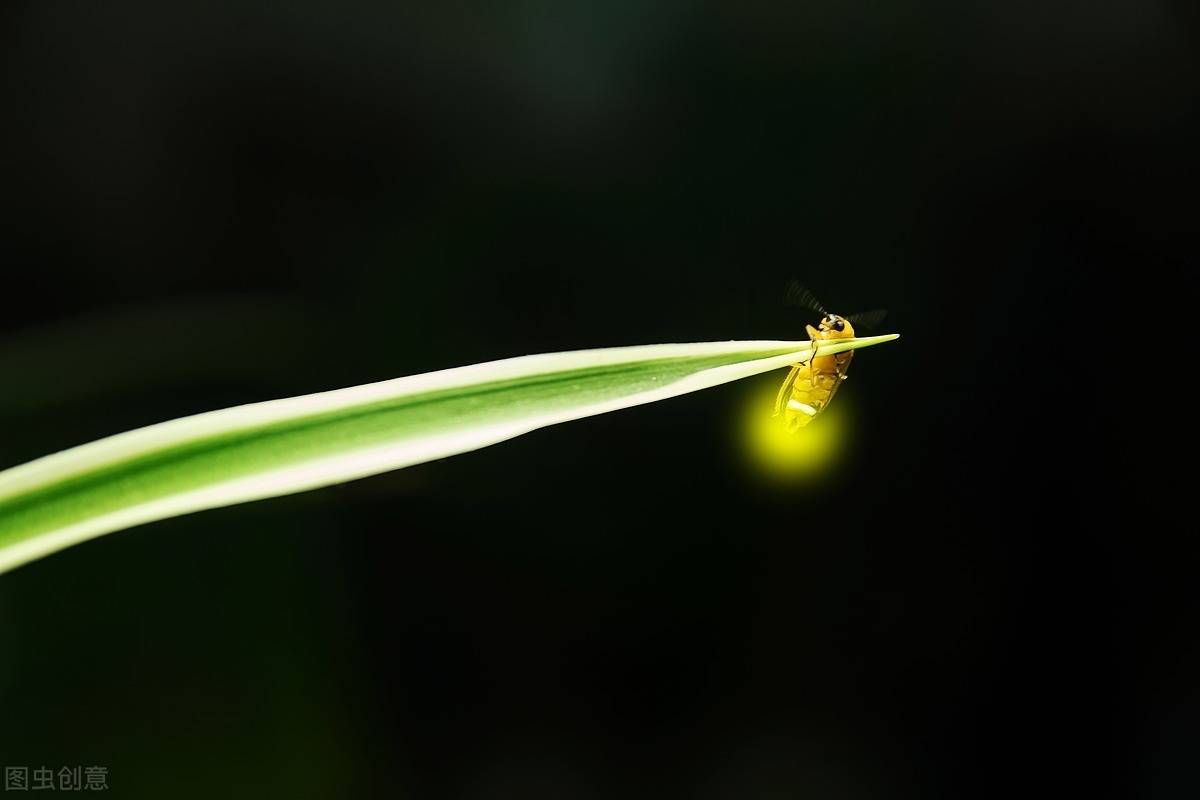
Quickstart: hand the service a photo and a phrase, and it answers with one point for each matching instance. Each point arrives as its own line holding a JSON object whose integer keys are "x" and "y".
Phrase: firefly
{"x": 810, "y": 385}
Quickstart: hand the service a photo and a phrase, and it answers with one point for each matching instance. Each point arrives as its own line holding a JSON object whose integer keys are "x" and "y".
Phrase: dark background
{"x": 206, "y": 205}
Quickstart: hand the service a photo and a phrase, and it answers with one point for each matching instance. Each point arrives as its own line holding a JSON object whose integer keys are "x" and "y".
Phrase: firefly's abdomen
{"x": 813, "y": 389}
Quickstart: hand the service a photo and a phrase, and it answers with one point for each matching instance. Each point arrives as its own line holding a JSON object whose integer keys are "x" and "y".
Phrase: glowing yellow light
{"x": 801, "y": 456}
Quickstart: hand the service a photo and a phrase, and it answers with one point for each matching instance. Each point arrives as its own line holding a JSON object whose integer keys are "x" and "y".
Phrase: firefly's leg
{"x": 785, "y": 390}
{"x": 814, "y": 338}
{"x": 812, "y": 373}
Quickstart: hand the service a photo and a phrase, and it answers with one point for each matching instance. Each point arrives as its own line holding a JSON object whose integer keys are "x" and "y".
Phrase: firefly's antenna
{"x": 798, "y": 295}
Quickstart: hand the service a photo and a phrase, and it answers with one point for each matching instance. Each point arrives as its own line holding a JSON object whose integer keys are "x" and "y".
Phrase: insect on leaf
{"x": 284, "y": 446}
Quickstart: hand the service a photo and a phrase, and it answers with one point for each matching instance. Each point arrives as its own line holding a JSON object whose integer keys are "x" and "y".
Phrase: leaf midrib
{"x": 183, "y": 463}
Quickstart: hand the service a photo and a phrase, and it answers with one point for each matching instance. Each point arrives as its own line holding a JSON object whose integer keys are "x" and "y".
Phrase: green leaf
{"x": 284, "y": 446}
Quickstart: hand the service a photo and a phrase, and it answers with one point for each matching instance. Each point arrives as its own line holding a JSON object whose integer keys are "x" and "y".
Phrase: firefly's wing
{"x": 785, "y": 391}
{"x": 798, "y": 295}
{"x": 868, "y": 319}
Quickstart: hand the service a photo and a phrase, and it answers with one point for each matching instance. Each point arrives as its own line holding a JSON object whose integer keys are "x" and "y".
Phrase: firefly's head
{"x": 835, "y": 327}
